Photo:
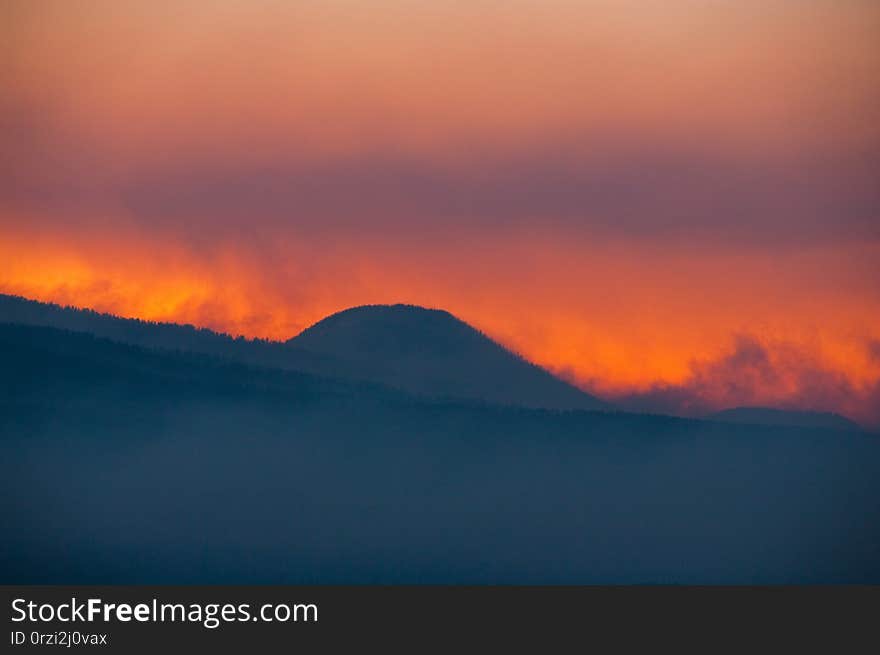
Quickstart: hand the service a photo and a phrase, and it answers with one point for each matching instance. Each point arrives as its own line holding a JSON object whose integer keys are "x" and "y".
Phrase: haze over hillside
{"x": 124, "y": 464}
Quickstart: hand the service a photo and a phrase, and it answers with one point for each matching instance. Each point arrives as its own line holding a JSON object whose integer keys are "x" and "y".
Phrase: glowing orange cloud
{"x": 664, "y": 200}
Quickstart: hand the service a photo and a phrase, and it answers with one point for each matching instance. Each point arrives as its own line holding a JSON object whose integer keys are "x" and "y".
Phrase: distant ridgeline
{"x": 771, "y": 416}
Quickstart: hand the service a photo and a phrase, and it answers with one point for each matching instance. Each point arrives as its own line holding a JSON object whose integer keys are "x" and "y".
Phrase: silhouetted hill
{"x": 771, "y": 416}
{"x": 417, "y": 350}
{"x": 121, "y": 464}
{"x": 432, "y": 353}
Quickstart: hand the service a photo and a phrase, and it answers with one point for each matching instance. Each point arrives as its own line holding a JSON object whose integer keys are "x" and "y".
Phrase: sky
{"x": 672, "y": 204}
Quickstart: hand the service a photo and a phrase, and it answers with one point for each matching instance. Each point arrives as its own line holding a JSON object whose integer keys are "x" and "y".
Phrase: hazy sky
{"x": 675, "y": 203}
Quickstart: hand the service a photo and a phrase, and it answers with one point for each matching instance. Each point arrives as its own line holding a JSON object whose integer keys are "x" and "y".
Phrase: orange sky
{"x": 633, "y": 194}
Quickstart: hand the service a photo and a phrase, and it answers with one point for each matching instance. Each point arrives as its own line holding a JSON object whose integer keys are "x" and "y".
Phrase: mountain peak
{"x": 396, "y": 313}
{"x": 372, "y": 330}
{"x": 434, "y": 353}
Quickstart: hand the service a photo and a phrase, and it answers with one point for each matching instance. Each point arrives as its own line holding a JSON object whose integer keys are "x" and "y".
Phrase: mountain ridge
{"x": 444, "y": 374}
{"x": 354, "y": 344}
